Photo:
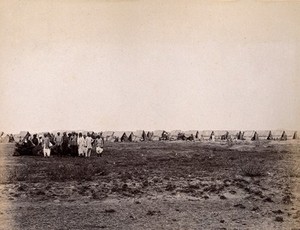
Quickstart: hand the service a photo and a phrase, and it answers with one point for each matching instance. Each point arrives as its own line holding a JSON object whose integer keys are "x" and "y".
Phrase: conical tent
{"x": 108, "y": 135}
{"x": 126, "y": 137}
{"x": 283, "y": 136}
{"x": 117, "y": 136}
{"x": 277, "y": 134}
{"x": 205, "y": 134}
{"x": 270, "y": 136}
{"x": 255, "y": 137}
{"x": 192, "y": 134}
{"x": 248, "y": 134}
{"x": 4, "y": 138}
{"x": 233, "y": 134}
{"x": 150, "y": 135}
{"x": 157, "y": 135}
{"x": 263, "y": 134}
{"x": 295, "y": 136}
{"x": 289, "y": 134}
{"x": 173, "y": 135}
{"x": 240, "y": 135}
{"x": 139, "y": 135}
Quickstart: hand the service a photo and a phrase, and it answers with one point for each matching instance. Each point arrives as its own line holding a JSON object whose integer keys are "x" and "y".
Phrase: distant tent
{"x": 4, "y": 138}
{"x": 248, "y": 135}
{"x": 144, "y": 136}
{"x": 255, "y": 137}
{"x": 205, "y": 134}
{"x": 221, "y": 134}
{"x": 173, "y": 135}
{"x": 150, "y": 136}
{"x": 130, "y": 136}
{"x": 263, "y": 134}
{"x": 192, "y": 135}
{"x": 139, "y": 135}
{"x": 19, "y": 137}
{"x": 289, "y": 134}
{"x": 108, "y": 136}
{"x": 277, "y": 134}
{"x": 117, "y": 136}
{"x": 156, "y": 135}
{"x": 283, "y": 136}
{"x": 126, "y": 137}
{"x": 240, "y": 135}
{"x": 295, "y": 136}
{"x": 270, "y": 136}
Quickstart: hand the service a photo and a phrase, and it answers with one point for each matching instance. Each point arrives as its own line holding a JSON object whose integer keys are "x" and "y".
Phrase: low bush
{"x": 253, "y": 169}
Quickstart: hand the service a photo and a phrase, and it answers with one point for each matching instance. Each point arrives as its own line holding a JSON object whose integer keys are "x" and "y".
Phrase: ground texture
{"x": 155, "y": 185}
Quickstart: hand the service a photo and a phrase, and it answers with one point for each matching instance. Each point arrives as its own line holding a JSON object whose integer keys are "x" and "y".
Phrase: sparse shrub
{"x": 253, "y": 169}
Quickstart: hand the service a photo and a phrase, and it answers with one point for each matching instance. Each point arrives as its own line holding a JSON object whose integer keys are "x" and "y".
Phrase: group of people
{"x": 72, "y": 144}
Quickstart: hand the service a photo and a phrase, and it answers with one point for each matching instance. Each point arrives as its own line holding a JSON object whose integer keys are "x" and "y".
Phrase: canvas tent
{"x": 4, "y": 138}
{"x": 233, "y": 134}
{"x": 150, "y": 135}
{"x": 191, "y": 135}
{"x": 248, "y": 135}
{"x": 277, "y": 134}
{"x": 117, "y": 136}
{"x": 283, "y": 136}
{"x": 139, "y": 135}
{"x": 290, "y": 134}
{"x": 126, "y": 136}
{"x": 173, "y": 135}
{"x": 157, "y": 135}
{"x": 205, "y": 134}
{"x": 295, "y": 136}
{"x": 221, "y": 134}
{"x": 264, "y": 134}
{"x": 19, "y": 137}
{"x": 108, "y": 136}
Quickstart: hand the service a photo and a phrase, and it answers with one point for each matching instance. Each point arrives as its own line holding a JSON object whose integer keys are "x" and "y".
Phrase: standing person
{"x": 46, "y": 145}
{"x": 73, "y": 145}
{"x": 35, "y": 140}
{"x": 65, "y": 144}
{"x": 58, "y": 143}
{"x": 81, "y": 145}
{"x": 84, "y": 146}
{"x": 99, "y": 145}
{"x": 89, "y": 142}
{"x": 212, "y": 136}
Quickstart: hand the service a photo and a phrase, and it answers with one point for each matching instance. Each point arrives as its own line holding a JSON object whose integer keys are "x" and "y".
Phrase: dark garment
{"x": 35, "y": 141}
{"x": 64, "y": 146}
{"x": 65, "y": 149}
{"x": 65, "y": 140}
{"x": 74, "y": 150}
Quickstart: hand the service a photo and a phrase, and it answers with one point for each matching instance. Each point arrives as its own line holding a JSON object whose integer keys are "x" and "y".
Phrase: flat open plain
{"x": 155, "y": 185}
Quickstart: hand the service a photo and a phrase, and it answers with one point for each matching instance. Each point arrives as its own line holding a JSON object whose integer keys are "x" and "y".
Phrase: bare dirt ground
{"x": 155, "y": 185}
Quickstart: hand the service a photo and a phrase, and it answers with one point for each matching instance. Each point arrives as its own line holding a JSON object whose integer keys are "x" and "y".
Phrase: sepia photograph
{"x": 149, "y": 114}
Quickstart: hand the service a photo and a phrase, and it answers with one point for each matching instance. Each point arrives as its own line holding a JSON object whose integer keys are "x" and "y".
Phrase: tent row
{"x": 192, "y": 135}
{"x": 6, "y": 138}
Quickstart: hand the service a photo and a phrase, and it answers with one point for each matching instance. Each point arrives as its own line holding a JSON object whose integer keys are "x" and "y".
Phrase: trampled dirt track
{"x": 155, "y": 185}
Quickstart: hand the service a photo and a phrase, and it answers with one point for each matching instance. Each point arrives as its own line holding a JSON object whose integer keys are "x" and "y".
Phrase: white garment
{"x": 99, "y": 150}
{"x": 88, "y": 142}
{"x": 81, "y": 146}
{"x": 46, "y": 152}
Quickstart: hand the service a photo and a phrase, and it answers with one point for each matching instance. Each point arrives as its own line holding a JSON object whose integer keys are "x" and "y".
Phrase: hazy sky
{"x": 127, "y": 65}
